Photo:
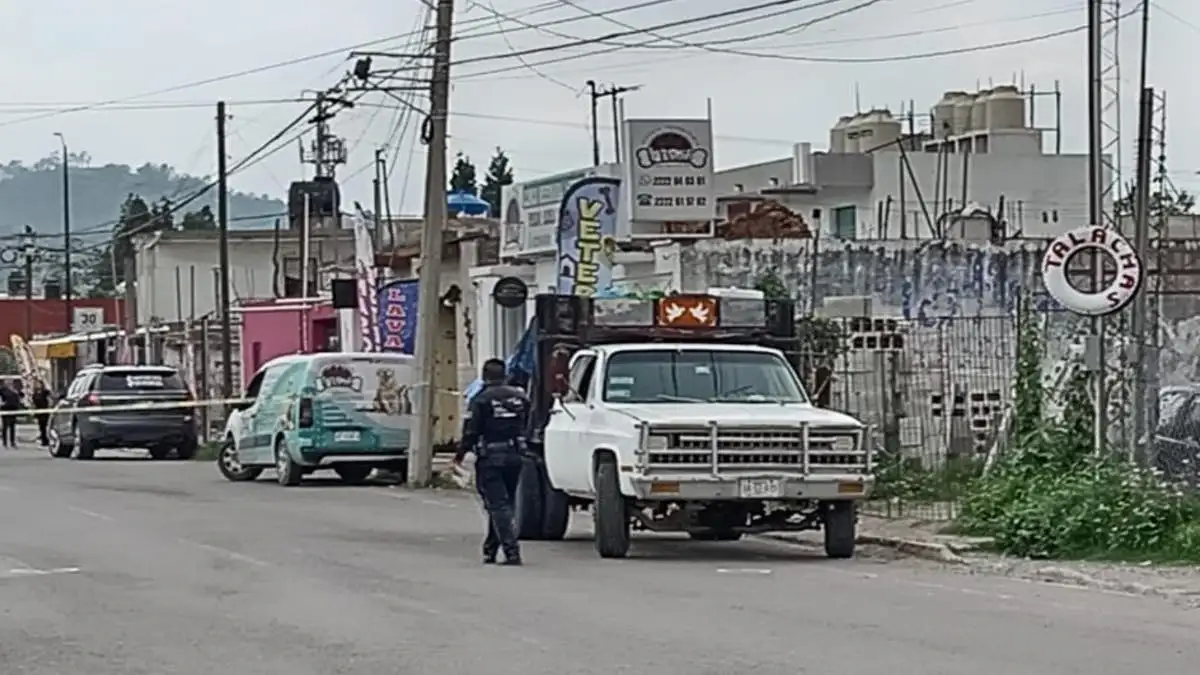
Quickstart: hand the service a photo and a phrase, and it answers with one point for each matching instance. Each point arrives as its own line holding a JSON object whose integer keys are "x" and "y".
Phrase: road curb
{"x": 927, "y": 550}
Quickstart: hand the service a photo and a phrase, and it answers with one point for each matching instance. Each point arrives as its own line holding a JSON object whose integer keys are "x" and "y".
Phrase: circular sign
{"x": 510, "y": 292}
{"x": 1117, "y": 295}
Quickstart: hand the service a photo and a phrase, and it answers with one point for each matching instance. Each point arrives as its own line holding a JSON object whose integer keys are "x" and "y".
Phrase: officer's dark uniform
{"x": 495, "y": 431}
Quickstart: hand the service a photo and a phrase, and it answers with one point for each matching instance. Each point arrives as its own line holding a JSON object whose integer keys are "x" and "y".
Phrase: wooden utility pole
{"x": 611, "y": 92}
{"x": 223, "y": 225}
{"x": 420, "y": 457}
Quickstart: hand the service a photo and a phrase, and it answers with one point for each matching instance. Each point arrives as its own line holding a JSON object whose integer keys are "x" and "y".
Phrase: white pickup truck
{"x": 715, "y": 439}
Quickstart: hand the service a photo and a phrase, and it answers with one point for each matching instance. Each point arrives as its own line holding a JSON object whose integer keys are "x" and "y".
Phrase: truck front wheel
{"x": 840, "y": 522}
{"x": 610, "y": 518}
{"x": 528, "y": 507}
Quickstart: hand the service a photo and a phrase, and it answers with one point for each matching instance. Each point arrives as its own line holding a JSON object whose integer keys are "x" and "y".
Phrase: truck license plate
{"x": 345, "y": 437}
{"x": 760, "y": 488}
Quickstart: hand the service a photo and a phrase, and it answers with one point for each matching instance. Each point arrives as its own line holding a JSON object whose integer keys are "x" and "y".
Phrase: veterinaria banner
{"x": 397, "y": 307}
{"x": 587, "y": 236}
{"x": 366, "y": 280}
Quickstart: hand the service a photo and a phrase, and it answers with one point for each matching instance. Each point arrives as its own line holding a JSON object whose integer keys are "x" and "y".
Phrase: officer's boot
{"x": 512, "y": 556}
{"x": 489, "y": 557}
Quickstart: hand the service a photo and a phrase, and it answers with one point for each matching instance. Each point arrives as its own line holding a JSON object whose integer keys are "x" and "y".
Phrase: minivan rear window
{"x": 140, "y": 380}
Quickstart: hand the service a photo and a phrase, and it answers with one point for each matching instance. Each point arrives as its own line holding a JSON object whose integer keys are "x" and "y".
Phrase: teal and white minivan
{"x": 348, "y": 412}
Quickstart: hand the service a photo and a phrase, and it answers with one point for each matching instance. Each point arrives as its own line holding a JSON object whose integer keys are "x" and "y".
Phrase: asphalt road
{"x": 130, "y": 567}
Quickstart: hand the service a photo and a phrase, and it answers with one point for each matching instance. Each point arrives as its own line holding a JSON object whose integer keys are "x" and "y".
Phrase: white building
{"x": 881, "y": 180}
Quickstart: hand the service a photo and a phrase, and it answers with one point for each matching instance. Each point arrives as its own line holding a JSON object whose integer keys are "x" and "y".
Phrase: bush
{"x": 898, "y": 477}
{"x": 1051, "y": 496}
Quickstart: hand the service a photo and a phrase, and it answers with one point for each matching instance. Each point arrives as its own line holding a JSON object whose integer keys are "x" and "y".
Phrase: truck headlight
{"x": 657, "y": 442}
{"x": 845, "y": 444}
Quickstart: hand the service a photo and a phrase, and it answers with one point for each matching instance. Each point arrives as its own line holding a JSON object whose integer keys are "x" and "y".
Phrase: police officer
{"x": 495, "y": 431}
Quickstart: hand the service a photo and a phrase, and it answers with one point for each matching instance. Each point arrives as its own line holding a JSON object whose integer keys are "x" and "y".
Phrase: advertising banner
{"x": 587, "y": 236}
{"x": 365, "y": 279}
{"x": 529, "y": 211}
{"x": 398, "y": 317}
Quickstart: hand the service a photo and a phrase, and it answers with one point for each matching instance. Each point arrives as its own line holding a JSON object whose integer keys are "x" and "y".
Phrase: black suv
{"x": 125, "y": 407}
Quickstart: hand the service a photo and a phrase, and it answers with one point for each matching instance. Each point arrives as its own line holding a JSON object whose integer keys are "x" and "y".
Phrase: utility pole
{"x": 377, "y": 191}
{"x": 131, "y": 308}
{"x": 1096, "y": 356}
{"x": 1141, "y": 242}
{"x": 614, "y": 93}
{"x": 29, "y": 248}
{"x": 223, "y": 233}
{"x": 420, "y": 462}
{"x": 66, "y": 218}
{"x": 327, "y": 150}
{"x": 595, "y": 94}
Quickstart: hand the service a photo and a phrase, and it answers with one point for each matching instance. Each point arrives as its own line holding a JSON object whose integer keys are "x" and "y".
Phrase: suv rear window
{"x": 140, "y": 380}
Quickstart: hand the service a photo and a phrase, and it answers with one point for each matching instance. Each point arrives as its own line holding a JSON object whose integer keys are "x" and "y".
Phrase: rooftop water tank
{"x": 962, "y": 114}
{"x": 943, "y": 114}
{"x": 979, "y": 110}
{"x": 853, "y": 135}
{"x": 837, "y": 135}
{"x": 878, "y": 130}
{"x": 1006, "y": 108}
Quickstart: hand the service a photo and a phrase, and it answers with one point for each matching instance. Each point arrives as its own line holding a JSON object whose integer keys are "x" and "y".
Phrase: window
{"x": 580, "y": 377}
{"x": 140, "y": 380}
{"x": 255, "y": 385}
{"x": 845, "y": 222}
{"x": 696, "y": 375}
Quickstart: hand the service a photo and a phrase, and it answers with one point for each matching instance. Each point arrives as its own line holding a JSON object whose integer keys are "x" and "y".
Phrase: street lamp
{"x": 66, "y": 207}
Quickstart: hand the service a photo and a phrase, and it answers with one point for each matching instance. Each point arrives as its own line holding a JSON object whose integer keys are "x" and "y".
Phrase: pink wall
{"x": 269, "y": 331}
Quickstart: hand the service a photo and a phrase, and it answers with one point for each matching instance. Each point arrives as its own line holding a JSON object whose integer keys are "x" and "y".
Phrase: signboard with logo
{"x": 529, "y": 211}
{"x": 87, "y": 319}
{"x": 398, "y": 317}
{"x": 669, "y": 174}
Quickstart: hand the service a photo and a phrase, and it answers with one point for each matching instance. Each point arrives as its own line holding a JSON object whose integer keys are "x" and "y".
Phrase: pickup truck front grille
{"x": 829, "y": 450}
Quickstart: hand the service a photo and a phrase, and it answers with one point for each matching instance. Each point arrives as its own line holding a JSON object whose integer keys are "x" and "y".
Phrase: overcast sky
{"x": 69, "y": 52}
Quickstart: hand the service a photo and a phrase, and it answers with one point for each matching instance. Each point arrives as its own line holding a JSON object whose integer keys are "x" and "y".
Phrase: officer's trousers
{"x": 496, "y": 479}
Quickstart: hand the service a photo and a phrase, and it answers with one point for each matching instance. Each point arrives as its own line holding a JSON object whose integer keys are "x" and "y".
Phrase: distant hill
{"x": 32, "y": 195}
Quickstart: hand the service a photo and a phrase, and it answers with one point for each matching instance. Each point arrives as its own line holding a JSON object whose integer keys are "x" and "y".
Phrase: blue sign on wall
{"x": 398, "y": 317}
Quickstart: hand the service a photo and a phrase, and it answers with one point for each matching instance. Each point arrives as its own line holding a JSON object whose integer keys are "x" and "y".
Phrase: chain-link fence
{"x": 935, "y": 393}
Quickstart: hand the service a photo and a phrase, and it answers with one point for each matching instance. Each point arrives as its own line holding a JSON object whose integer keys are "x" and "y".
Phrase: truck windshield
{"x": 700, "y": 376}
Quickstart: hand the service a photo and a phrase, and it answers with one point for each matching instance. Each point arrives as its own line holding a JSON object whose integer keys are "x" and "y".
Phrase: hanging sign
{"x": 1117, "y": 295}
{"x": 397, "y": 311}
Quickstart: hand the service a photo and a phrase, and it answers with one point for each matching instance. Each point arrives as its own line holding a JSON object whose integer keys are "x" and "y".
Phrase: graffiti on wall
{"x": 929, "y": 283}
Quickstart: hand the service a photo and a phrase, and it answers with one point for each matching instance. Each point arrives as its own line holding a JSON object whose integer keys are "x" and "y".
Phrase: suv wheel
{"x": 160, "y": 451}
{"x": 85, "y": 447}
{"x": 57, "y": 448}
{"x": 187, "y": 449}
{"x": 288, "y": 473}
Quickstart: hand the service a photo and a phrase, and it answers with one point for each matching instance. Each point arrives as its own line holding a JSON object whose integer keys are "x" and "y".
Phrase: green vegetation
{"x": 464, "y": 178}
{"x": 208, "y": 452}
{"x": 1049, "y": 495}
{"x": 32, "y": 195}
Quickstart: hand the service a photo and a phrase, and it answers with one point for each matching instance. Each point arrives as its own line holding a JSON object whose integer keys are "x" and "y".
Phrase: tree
{"x": 499, "y": 174}
{"x": 198, "y": 220}
{"x": 463, "y": 177}
{"x": 1174, "y": 203}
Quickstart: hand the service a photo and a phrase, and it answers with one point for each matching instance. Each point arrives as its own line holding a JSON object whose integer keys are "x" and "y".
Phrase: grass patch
{"x": 208, "y": 452}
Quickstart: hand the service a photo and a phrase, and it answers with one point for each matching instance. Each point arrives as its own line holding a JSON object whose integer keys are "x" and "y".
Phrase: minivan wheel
{"x": 231, "y": 467}
{"x": 287, "y": 472}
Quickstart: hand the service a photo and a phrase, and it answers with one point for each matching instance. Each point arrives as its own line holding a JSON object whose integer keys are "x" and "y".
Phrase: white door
{"x": 568, "y": 462}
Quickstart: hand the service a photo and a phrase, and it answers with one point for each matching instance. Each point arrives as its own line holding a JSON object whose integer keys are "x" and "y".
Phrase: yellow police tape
{"x": 155, "y": 405}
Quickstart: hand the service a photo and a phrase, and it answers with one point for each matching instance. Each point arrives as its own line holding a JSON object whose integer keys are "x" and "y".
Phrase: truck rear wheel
{"x": 527, "y": 510}
{"x": 840, "y": 525}
{"x": 610, "y": 518}
{"x": 556, "y": 512}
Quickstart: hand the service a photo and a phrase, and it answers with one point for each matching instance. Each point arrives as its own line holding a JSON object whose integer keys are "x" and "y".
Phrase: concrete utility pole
{"x": 377, "y": 193}
{"x": 29, "y": 250}
{"x": 1141, "y": 242}
{"x": 66, "y": 218}
{"x": 223, "y": 233}
{"x": 420, "y": 460}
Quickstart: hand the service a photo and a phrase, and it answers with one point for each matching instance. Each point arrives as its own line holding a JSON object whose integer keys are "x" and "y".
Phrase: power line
{"x": 799, "y": 58}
